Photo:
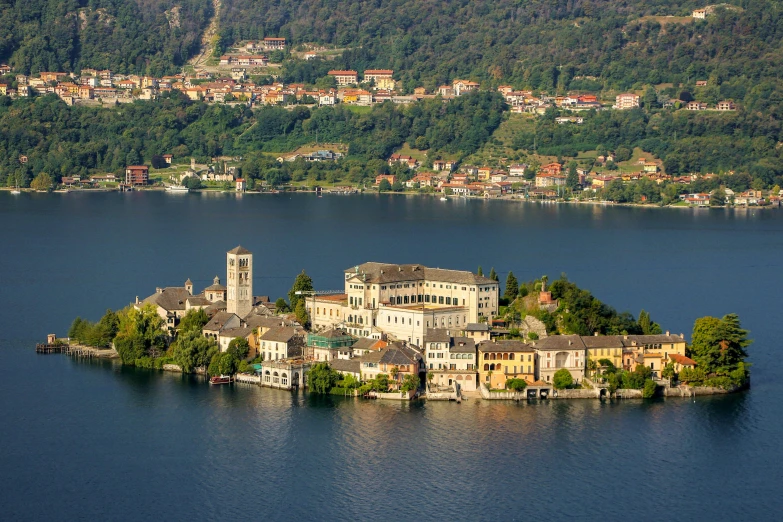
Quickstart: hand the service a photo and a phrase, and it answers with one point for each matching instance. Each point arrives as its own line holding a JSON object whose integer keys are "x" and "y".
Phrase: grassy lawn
{"x": 498, "y": 150}
{"x": 359, "y": 109}
{"x": 406, "y": 150}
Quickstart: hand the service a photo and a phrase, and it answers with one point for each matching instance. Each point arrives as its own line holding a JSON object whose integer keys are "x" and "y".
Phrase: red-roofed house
{"x": 381, "y": 77}
{"x": 391, "y": 178}
{"x": 345, "y": 77}
{"x": 136, "y": 174}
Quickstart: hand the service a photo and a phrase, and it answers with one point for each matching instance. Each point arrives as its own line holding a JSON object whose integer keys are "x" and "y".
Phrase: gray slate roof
{"x": 239, "y": 250}
{"x": 603, "y": 341}
{"x": 364, "y": 343}
{"x": 560, "y": 342}
{"x": 236, "y": 332}
{"x": 218, "y": 321}
{"x": 346, "y": 365}
{"x": 263, "y": 321}
{"x": 280, "y": 334}
{"x": 170, "y": 298}
{"x": 373, "y": 272}
{"x": 437, "y": 335}
{"x": 463, "y": 345}
{"x": 477, "y": 327}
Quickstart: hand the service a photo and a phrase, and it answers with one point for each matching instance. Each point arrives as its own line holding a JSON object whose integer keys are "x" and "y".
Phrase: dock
{"x": 76, "y": 350}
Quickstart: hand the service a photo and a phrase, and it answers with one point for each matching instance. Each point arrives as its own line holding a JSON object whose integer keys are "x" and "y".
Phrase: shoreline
{"x": 683, "y": 391}
{"x": 432, "y": 195}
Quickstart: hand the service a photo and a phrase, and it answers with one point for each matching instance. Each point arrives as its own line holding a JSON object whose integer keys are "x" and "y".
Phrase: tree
{"x": 394, "y": 372}
{"x": 194, "y": 320}
{"x": 281, "y": 307}
{"x": 321, "y": 378}
{"x": 562, "y": 379}
{"x": 512, "y": 287}
{"x": 650, "y": 97}
{"x": 430, "y": 376}
{"x": 158, "y": 162}
{"x": 668, "y": 371}
{"x": 302, "y": 283}
{"x": 493, "y": 275}
{"x": 572, "y": 178}
{"x": 140, "y": 334}
{"x": 301, "y": 314}
{"x": 192, "y": 350}
{"x": 239, "y": 348}
{"x": 646, "y": 325}
{"x": 410, "y": 382}
{"x": 480, "y": 271}
{"x": 222, "y": 364}
{"x": 718, "y": 345}
{"x": 717, "y": 198}
{"x": 42, "y": 181}
{"x": 648, "y": 391}
{"x": 384, "y": 186}
{"x": 517, "y": 385}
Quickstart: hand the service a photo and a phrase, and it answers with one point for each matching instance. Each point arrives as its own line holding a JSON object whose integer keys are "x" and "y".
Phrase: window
{"x": 448, "y": 300}
{"x": 440, "y": 299}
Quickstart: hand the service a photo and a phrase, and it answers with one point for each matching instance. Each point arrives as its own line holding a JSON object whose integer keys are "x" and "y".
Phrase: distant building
{"x": 626, "y": 101}
{"x": 239, "y": 267}
{"x": 136, "y": 175}
{"x": 381, "y": 77}
{"x": 345, "y": 77}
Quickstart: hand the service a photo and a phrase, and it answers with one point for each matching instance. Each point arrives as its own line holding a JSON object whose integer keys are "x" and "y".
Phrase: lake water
{"x": 93, "y": 440}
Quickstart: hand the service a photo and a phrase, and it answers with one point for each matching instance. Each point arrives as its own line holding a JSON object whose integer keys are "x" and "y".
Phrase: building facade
{"x": 239, "y": 281}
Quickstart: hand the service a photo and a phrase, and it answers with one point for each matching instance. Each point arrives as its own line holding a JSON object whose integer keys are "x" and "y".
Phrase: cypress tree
{"x": 512, "y": 287}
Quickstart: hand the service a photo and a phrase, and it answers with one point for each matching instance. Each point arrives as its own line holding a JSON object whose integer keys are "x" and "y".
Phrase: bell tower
{"x": 239, "y": 281}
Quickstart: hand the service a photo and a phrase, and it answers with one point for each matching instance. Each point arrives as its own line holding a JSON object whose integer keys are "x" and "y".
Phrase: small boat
{"x": 16, "y": 191}
{"x": 177, "y": 188}
{"x": 444, "y": 199}
{"x": 221, "y": 379}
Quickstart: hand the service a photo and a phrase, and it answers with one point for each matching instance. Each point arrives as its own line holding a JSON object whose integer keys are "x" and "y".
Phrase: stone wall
{"x": 531, "y": 324}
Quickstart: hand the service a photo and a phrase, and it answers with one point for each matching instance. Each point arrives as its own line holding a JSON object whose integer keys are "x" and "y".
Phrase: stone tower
{"x": 239, "y": 281}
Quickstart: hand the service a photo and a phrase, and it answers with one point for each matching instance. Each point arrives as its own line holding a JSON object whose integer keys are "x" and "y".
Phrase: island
{"x": 400, "y": 331}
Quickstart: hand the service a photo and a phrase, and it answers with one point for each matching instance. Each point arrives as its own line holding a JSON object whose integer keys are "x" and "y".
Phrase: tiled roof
{"x": 236, "y": 332}
{"x": 346, "y": 365}
{"x": 279, "y": 334}
{"x": 170, "y": 298}
{"x": 389, "y": 273}
{"x": 219, "y": 320}
{"x": 505, "y": 346}
{"x": 463, "y": 345}
{"x": 681, "y": 359}
{"x": 560, "y": 342}
{"x": 239, "y": 250}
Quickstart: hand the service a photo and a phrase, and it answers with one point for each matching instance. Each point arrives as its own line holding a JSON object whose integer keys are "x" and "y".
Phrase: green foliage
{"x": 239, "y": 348}
{"x": 301, "y": 314}
{"x": 562, "y": 379}
{"x": 281, "y": 307}
{"x": 692, "y": 376}
{"x": 222, "y": 364}
{"x": 410, "y": 382}
{"x": 99, "y": 334}
{"x": 493, "y": 275}
{"x": 646, "y": 325}
{"x": 380, "y": 383}
{"x": 127, "y": 37}
{"x": 648, "y": 390}
{"x": 635, "y": 380}
{"x": 583, "y": 314}
{"x": 512, "y": 287}
{"x": 192, "y": 350}
{"x": 42, "y": 181}
{"x": 194, "y": 320}
{"x": 480, "y": 271}
{"x": 384, "y": 186}
{"x": 533, "y": 336}
{"x": 517, "y": 385}
{"x": 321, "y": 378}
{"x": 718, "y": 345}
{"x": 302, "y": 283}
{"x": 668, "y": 371}
{"x": 613, "y": 382}
{"x": 140, "y": 334}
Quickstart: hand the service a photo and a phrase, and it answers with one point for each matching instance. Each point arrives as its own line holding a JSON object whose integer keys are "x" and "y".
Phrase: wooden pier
{"x": 52, "y": 348}
{"x": 76, "y": 350}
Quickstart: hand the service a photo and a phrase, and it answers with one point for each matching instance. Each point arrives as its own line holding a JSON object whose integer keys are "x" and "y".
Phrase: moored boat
{"x": 220, "y": 379}
{"x": 177, "y": 188}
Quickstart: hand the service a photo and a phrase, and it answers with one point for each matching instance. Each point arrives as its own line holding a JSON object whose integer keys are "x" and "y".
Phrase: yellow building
{"x": 501, "y": 360}
{"x": 653, "y": 351}
{"x": 605, "y": 347}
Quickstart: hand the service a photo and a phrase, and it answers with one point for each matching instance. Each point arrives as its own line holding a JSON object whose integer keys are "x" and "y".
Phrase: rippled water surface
{"x": 92, "y": 440}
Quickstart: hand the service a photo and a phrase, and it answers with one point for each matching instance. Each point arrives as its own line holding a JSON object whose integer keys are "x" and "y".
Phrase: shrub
{"x": 533, "y": 336}
{"x": 562, "y": 379}
{"x": 649, "y": 389}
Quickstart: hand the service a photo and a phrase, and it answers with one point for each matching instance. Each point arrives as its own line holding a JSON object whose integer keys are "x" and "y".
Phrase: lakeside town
{"x": 397, "y": 332}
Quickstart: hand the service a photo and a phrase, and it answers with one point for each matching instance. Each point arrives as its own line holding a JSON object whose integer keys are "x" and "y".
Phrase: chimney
{"x": 667, "y": 332}
{"x": 595, "y": 334}
{"x": 137, "y": 299}
{"x": 570, "y": 342}
{"x": 158, "y": 290}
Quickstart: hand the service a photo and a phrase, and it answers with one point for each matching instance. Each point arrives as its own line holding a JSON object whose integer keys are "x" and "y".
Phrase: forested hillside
{"x": 127, "y": 36}
{"x": 62, "y": 140}
{"x": 533, "y": 43}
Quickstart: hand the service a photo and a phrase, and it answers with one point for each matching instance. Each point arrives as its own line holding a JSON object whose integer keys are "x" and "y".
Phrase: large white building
{"x": 403, "y": 301}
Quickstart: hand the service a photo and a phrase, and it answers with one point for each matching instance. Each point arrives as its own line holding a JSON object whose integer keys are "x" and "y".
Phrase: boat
{"x": 221, "y": 379}
{"x": 16, "y": 190}
{"x": 444, "y": 199}
{"x": 177, "y": 188}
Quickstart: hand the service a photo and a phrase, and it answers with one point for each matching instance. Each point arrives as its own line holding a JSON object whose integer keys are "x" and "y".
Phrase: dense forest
{"x": 542, "y": 44}
{"x": 62, "y": 140}
{"x": 127, "y": 36}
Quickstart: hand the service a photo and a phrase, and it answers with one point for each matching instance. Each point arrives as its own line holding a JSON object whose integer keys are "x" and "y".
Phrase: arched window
{"x": 511, "y": 357}
{"x": 491, "y": 366}
{"x": 486, "y": 367}
{"x": 505, "y": 357}
{"x": 486, "y": 356}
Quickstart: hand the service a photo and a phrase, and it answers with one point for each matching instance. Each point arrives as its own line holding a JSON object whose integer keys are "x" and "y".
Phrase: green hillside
{"x": 127, "y": 36}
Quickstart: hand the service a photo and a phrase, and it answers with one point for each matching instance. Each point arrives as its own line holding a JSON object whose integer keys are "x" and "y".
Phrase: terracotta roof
{"x": 681, "y": 359}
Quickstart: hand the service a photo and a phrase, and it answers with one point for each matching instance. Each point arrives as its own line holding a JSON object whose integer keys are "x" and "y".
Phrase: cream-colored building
{"x": 404, "y": 301}
{"x": 561, "y": 351}
{"x": 451, "y": 360}
{"x": 239, "y": 286}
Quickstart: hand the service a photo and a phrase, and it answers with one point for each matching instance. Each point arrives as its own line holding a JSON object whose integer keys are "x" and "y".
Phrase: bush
{"x": 517, "y": 385}
{"x": 562, "y": 379}
{"x": 723, "y": 382}
{"x": 533, "y": 336}
{"x": 649, "y": 389}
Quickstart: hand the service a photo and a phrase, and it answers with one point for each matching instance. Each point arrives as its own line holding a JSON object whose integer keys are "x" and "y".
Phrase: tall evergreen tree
{"x": 493, "y": 275}
{"x": 480, "y": 271}
{"x": 302, "y": 283}
{"x": 512, "y": 287}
